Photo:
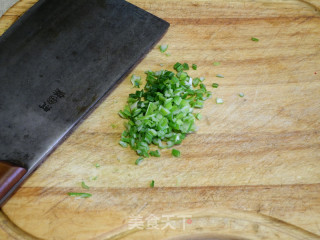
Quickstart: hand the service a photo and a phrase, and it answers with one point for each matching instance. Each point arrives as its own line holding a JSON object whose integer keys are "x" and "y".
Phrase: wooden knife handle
{"x": 9, "y": 176}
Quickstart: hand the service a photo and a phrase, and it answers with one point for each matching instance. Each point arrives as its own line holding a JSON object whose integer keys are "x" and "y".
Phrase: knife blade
{"x": 56, "y": 63}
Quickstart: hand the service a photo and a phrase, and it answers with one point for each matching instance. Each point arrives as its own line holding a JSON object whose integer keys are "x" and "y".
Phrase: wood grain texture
{"x": 251, "y": 171}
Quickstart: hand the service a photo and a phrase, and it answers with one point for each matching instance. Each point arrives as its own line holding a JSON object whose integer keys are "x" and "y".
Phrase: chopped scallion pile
{"x": 162, "y": 112}
{"x": 82, "y": 195}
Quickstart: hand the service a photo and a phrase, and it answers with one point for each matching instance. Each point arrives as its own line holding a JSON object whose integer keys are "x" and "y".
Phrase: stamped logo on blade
{"x": 52, "y": 99}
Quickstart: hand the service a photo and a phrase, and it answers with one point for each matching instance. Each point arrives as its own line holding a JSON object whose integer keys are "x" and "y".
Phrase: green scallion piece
{"x": 139, "y": 160}
{"x": 215, "y": 85}
{"x": 185, "y": 66}
{"x": 216, "y": 63}
{"x": 123, "y": 144}
{"x": 136, "y": 80}
{"x": 177, "y": 100}
{"x": 152, "y": 184}
{"x": 155, "y": 153}
{"x": 163, "y": 47}
{"x": 195, "y": 82}
{"x": 97, "y": 165}
{"x": 241, "y": 94}
{"x": 175, "y": 153}
{"x": 83, "y": 185}
{"x": 114, "y": 126}
{"x": 198, "y": 116}
{"x": 219, "y": 100}
{"x": 219, "y": 76}
{"x": 82, "y": 195}
{"x": 255, "y": 39}
{"x": 95, "y": 178}
{"x": 194, "y": 66}
{"x": 178, "y": 67}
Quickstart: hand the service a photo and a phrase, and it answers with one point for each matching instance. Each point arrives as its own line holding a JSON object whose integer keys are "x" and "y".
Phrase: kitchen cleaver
{"x": 56, "y": 63}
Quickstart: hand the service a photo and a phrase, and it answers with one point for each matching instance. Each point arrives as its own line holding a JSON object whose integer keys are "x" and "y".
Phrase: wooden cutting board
{"x": 250, "y": 172}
